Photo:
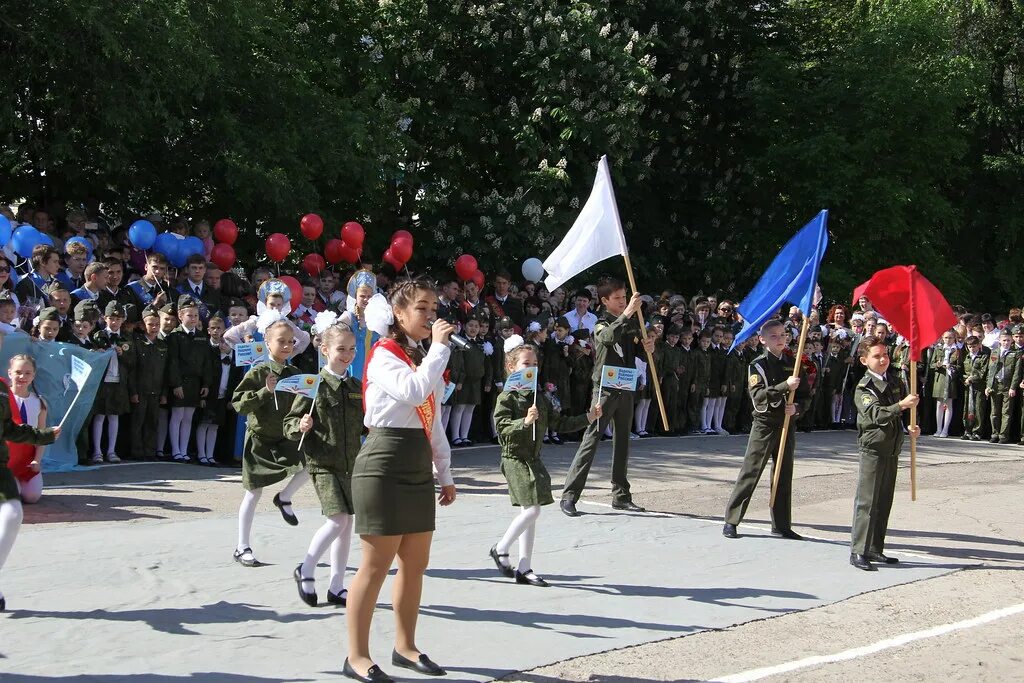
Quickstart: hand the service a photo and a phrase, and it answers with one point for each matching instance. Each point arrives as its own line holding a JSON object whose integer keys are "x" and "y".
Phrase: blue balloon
{"x": 142, "y": 234}
{"x": 179, "y": 254}
{"x": 194, "y": 245}
{"x": 45, "y": 239}
{"x": 5, "y": 230}
{"x": 79, "y": 240}
{"x": 165, "y": 243}
{"x": 24, "y": 240}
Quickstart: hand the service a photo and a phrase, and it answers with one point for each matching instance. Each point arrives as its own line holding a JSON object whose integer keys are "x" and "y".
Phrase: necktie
{"x": 24, "y": 414}
{"x": 196, "y": 290}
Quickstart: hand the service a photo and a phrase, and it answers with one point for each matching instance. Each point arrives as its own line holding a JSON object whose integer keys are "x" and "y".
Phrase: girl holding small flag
{"x": 267, "y": 456}
{"x": 522, "y": 417}
{"x": 328, "y": 428}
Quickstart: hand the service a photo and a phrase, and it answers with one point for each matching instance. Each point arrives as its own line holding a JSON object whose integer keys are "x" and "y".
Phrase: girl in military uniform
{"x": 556, "y": 370}
{"x": 700, "y": 403}
{"x": 529, "y": 484}
{"x": 11, "y": 513}
{"x": 717, "y": 382}
{"x": 947, "y": 359}
{"x": 268, "y": 456}
{"x": 112, "y": 399}
{"x": 331, "y": 442}
{"x": 214, "y": 406}
{"x": 467, "y": 394}
{"x": 188, "y": 371}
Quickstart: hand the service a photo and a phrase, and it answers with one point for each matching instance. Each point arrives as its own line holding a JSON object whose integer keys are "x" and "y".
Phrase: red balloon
{"x": 401, "y": 249}
{"x": 353, "y": 234}
{"x": 478, "y": 278}
{"x": 278, "y": 246}
{"x": 296, "y": 289}
{"x": 390, "y": 259}
{"x": 332, "y": 250}
{"x": 223, "y": 255}
{"x": 465, "y": 267}
{"x": 225, "y": 231}
{"x": 403, "y": 234}
{"x": 314, "y": 264}
{"x": 312, "y": 226}
{"x": 350, "y": 254}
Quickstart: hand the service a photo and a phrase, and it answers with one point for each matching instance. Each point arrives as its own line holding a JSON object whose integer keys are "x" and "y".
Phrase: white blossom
{"x": 302, "y": 28}
{"x": 605, "y": 30}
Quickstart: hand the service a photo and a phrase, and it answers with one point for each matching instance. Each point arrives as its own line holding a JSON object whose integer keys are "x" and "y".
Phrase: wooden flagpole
{"x": 913, "y": 441}
{"x": 789, "y": 402}
{"x": 650, "y": 355}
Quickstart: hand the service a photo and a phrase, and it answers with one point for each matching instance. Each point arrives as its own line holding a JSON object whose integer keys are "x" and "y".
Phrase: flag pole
{"x": 913, "y": 441}
{"x": 789, "y": 402}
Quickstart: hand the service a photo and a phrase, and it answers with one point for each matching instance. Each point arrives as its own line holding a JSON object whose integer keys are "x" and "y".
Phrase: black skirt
{"x": 393, "y": 483}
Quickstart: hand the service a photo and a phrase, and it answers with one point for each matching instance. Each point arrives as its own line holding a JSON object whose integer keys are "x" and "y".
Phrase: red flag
{"x": 911, "y": 304}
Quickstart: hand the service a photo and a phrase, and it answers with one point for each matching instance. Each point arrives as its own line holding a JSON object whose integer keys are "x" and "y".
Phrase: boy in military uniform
{"x": 880, "y": 405}
{"x": 330, "y": 427}
{"x": 188, "y": 372}
{"x": 769, "y": 382}
{"x": 1001, "y": 387}
{"x": 616, "y": 336}
{"x": 112, "y": 399}
{"x": 147, "y": 388}
{"x": 669, "y": 360}
{"x": 975, "y": 403}
{"x": 581, "y": 372}
{"x": 699, "y": 402}
{"x": 48, "y": 326}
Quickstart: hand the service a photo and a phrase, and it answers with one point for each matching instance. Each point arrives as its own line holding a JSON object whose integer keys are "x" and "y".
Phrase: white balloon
{"x": 533, "y": 269}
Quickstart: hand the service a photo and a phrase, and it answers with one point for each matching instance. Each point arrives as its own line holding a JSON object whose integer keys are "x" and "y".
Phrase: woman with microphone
{"x": 392, "y": 480}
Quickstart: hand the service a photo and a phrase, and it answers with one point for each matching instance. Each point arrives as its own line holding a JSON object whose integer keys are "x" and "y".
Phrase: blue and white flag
{"x": 522, "y": 379}
{"x": 305, "y": 385}
{"x": 248, "y": 355}
{"x": 613, "y": 377}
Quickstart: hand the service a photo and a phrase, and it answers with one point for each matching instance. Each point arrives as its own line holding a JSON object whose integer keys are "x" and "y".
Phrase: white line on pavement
{"x": 854, "y": 653}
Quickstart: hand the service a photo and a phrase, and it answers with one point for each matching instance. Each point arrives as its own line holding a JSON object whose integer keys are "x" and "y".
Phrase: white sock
{"x": 174, "y": 429}
{"x": 523, "y": 522}
{"x": 163, "y": 417}
{"x": 112, "y": 424}
{"x": 97, "y": 434}
{"x": 467, "y": 422}
{"x": 322, "y": 539}
{"x": 526, "y": 546}
{"x": 184, "y": 429}
{"x": 291, "y": 488}
{"x": 246, "y": 513}
{"x": 10, "y": 522}
{"x": 705, "y": 414}
{"x": 31, "y": 490}
{"x": 446, "y": 413}
{"x": 455, "y": 421}
{"x": 646, "y": 403}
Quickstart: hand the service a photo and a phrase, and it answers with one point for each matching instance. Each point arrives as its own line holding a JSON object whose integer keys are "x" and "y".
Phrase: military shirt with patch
{"x": 766, "y": 382}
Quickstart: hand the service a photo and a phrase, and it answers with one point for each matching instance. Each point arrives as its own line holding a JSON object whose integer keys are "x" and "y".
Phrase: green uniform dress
{"x": 716, "y": 372}
{"x": 668, "y": 359}
{"x": 331, "y": 446}
{"x": 528, "y": 480}
{"x": 699, "y": 384}
{"x": 188, "y": 360}
{"x": 112, "y": 398}
{"x": 735, "y": 383}
{"x": 1003, "y": 375}
{"x": 474, "y": 371}
{"x": 946, "y": 381}
{"x": 680, "y": 420}
{"x": 15, "y": 433}
{"x": 769, "y": 392}
{"x": 267, "y": 455}
{"x": 879, "y": 439}
{"x": 150, "y": 385}
{"x": 975, "y": 403}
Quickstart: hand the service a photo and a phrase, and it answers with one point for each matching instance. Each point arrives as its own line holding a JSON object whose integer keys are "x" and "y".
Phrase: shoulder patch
{"x": 754, "y": 379}
{"x": 866, "y": 399}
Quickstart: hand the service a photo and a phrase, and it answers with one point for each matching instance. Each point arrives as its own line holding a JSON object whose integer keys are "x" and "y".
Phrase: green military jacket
{"x": 668, "y": 359}
{"x": 151, "y": 361}
{"x": 556, "y": 364}
{"x": 188, "y": 357}
{"x": 614, "y": 341}
{"x": 333, "y": 443}
{"x": 266, "y": 419}
{"x": 879, "y": 428}
{"x": 701, "y": 370}
{"x": 976, "y": 370}
{"x": 769, "y": 392}
{"x": 516, "y": 437}
{"x": 101, "y": 341}
{"x": 1003, "y": 371}
{"x": 946, "y": 382}
{"x": 735, "y": 367}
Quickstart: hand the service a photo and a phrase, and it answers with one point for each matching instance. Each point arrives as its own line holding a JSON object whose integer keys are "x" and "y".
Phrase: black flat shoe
{"x": 787, "y": 533}
{"x": 557, "y": 440}
{"x": 340, "y": 599}
{"x": 374, "y": 675}
{"x": 879, "y": 558}
{"x": 288, "y": 516}
{"x": 422, "y": 664}
{"x": 308, "y": 598}
{"x": 240, "y": 557}
{"x": 628, "y": 506}
{"x": 3, "y": 604}
{"x": 503, "y": 568}
{"x": 729, "y": 531}
{"x": 569, "y": 508}
{"x": 861, "y": 562}
{"x": 529, "y": 578}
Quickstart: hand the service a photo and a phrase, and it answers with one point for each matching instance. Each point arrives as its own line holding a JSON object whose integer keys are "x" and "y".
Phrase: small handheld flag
{"x": 305, "y": 385}
{"x": 250, "y": 354}
{"x": 619, "y": 378}
{"x": 525, "y": 379}
{"x": 80, "y": 371}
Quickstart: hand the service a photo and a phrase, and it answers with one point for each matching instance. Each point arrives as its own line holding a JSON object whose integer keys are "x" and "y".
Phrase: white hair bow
{"x": 379, "y": 315}
{"x": 513, "y": 342}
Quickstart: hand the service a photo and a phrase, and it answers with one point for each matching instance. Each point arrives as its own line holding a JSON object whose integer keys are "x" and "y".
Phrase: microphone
{"x": 456, "y": 339}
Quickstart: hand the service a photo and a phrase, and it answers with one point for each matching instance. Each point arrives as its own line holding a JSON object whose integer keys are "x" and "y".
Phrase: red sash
{"x": 425, "y": 410}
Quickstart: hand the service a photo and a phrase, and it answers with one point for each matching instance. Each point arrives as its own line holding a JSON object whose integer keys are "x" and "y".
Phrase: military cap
{"x": 115, "y": 308}
{"x": 563, "y": 322}
{"x": 658, "y": 320}
{"x": 505, "y": 323}
{"x": 149, "y": 312}
{"x": 186, "y": 301}
{"x": 86, "y": 309}
{"x": 1017, "y": 329}
{"x": 49, "y": 313}
{"x": 169, "y": 309}
{"x": 581, "y": 334}
{"x": 674, "y": 329}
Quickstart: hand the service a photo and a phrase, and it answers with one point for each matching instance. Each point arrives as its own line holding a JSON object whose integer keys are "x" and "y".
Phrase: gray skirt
{"x": 393, "y": 483}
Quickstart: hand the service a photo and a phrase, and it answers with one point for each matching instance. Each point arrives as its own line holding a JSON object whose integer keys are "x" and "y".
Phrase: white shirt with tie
{"x": 588, "y": 320}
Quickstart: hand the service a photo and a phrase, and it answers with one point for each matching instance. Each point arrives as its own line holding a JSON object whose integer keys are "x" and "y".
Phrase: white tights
{"x": 247, "y": 510}
{"x": 717, "y": 413}
{"x": 523, "y": 527}
{"x": 943, "y": 416}
{"x": 10, "y": 521}
{"x": 707, "y": 409}
{"x": 97, "y": 433}
{"x": 640, "y": 415}
{"x": 446, "y": 413}
{"x": 460, "y": 421}
{"x": 336, "y": 532}
{"x": 31, "y": 490}
{"x": 180, "y": 428}
{"x": 206, "y": 439}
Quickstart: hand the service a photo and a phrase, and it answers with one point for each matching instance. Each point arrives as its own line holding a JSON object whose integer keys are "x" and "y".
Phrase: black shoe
{"x": 861, "y": 562}
{"x": 879, "y": 558}
{"x": 787, "y": 533}
{"x": 557, "y": 440}
{"x": 374, "y": 675}
{"x": 423, "y": 664}
{"x": 308, "y": 598}
{"x": 530, "y": 578}
{"x": 546, "y": 439}
{"x": 994, "y": 439}
{"x": 628, "y": 506}
{"x": 338, "y": 598}
{"x": 1003, "y": 440}
{"x": 240, "y": 557}
{"x": 288, "y": 516}
{"x": 3, "y": 604}
{"x": 605, "y": 437}
{"x": 569, "y": 508}
{"x": 975, "y": 437}
{"x": 503, "y": 568}
{"x": 729, "y": 531}
{"x": 965, "y": 437}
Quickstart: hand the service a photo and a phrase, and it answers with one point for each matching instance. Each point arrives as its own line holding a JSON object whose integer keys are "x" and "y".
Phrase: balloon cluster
{"x": 177, "y": 249}
{"x": 223, "y": 254}
{"x": 400, "y": 251}
{"x": 24, "y": 238}
{"x": 467, "y": 269}
{"x": 349, "y": 248}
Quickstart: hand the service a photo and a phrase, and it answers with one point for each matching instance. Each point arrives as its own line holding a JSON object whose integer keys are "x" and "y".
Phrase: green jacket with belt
{"x": 768, "y": 389}
{"x": 615, "y": 343}
{"x": 879, "y": 427}
{"x": 252, "y": 398}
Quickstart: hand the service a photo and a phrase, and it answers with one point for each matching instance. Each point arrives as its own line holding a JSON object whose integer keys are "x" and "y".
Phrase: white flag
{"x": 595, "y": 236}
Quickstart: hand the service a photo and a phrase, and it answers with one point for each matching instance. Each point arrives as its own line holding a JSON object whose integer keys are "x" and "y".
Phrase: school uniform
{"x": 668, "y": 359}
{"x": 475, "y": 369}
{"x": 1003, "y": 375}
{"x": 975, "y": 403}
{"x": 209, "y": 300}
{"x": 188, "y": 366}
{"x": 32, "y": 286}
{"x": 122, "y": 296}
{"x": 331, "y": 446}
{"x": 268, "y": 456}
{"x": 735, "y": 383}
{"x": 581, "y": 372}
{"x": 70, "y": 280}
{"x": 150, "y": 385}
{"x": 699, "y": 381}
{"x": 112, "y": 398}
{"x": 144, "y": 293}
{"x": 680, "y": 418}
{"x": 15, "y": 433}
{"x": 215, "y": 404}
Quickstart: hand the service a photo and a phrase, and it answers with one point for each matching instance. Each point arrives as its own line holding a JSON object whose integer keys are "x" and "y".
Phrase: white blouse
{"x": 394, "y": 390}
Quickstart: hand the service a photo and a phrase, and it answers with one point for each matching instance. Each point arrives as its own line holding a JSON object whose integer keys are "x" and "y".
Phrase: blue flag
{"x": 521, "y": 380}
{"x": 791, "y": 278}
{"x": 619, "y": 378}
